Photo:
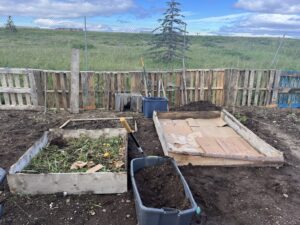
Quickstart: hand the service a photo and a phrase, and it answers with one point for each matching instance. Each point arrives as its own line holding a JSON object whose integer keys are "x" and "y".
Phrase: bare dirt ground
{"x": 228, "y": 196}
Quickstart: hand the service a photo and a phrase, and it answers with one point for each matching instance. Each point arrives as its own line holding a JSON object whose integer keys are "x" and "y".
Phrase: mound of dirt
{"x": 161, "y": 187}
{"x": 197, "y": 106}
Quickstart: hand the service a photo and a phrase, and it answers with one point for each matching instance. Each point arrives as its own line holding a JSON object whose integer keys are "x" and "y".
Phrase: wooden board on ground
{"x": 72, "y": 183}
{"x": 209, "y": 138}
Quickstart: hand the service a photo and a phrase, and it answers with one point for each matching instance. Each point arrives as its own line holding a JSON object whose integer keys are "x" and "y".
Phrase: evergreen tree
{"x": 168, "y": 41}
{"x": 10, "y": 26}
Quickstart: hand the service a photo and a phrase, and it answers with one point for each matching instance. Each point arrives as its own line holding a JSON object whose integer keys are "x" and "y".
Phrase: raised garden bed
{"x": 161, "y": 193}
{"x": 73, "y": 161}
{"x": 97, "y": 123}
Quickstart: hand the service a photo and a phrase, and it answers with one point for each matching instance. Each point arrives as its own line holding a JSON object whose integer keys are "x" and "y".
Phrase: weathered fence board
{"x": 232, "y": 87}
{"x": 16, "y": 86}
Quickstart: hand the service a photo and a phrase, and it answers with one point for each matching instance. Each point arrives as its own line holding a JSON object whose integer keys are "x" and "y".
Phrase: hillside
{"x": 50, "y": 49}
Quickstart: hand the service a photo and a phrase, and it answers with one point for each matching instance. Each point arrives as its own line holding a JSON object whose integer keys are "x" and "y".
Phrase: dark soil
{"x": 197, "y": 106}
{"x": 161, "y": 187}
{"x": 227, "y": 196}
{"x": 97, "y": 124}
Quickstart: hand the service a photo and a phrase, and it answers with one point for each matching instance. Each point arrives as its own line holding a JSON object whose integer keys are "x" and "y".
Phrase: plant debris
{"x": 82, "y": 154}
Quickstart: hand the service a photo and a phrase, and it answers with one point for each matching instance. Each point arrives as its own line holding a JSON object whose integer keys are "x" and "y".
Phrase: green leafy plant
{"x": 60, "y": 155}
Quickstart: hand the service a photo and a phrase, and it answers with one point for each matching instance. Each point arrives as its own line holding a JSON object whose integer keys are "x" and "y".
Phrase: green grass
{"x": 51, "y": 49}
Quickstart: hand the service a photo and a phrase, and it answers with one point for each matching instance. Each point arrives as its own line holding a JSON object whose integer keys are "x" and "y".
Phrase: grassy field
{"x": 51, "y": 49}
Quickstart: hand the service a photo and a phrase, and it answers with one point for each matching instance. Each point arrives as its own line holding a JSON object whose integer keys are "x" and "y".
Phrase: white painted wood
{"x": 135, "y": 129}
{"x": 72, "y": 183}
{"x": 29, "y": 154}
{"x": 15, "y": 90}
{"x": 21, "y": 107}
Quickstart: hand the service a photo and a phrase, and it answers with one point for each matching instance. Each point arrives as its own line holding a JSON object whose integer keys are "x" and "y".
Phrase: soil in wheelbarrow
{"x": 161, "y": 187}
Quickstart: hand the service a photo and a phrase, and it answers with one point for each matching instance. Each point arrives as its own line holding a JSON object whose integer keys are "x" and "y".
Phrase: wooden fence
{"x": 232, "y": 87}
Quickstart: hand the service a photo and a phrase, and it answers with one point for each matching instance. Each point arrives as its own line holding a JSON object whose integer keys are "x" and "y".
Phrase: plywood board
{"x": 212, "y": 141}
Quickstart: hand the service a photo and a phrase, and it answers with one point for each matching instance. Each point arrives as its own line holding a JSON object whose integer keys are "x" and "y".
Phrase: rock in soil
{"x": 161, "y": 187}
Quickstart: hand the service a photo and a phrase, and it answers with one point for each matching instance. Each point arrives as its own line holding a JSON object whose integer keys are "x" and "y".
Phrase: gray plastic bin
{"x": 155, "y": 216}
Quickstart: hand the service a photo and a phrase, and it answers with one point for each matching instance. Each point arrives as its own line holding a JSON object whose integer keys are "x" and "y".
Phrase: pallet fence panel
{"x": 4, "y": 85}
{"x": 96, "y": 90}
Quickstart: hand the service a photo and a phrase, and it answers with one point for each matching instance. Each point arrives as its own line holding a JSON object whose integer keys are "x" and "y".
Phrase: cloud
{"x": 52, "y": 24}
{"x": 64, "y": 8}
{"x": 250, "y": 24}
{"x": 270, "y": 6}
{"x": 57, "y": 23}
{"x": 265, "y": 24}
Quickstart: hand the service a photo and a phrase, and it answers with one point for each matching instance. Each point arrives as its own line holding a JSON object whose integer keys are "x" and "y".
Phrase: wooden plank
{"x": 178, "y": 91}
{"x": 197, "y": 80}
{"x": 13, "y": 71}
{"x": 183, "y": 160}
{"x": 18, "y": 86}
{"x": 263, "y": 85}
{"x": 260, "y": 145}
{"x": 39, "y": 86}
{"x": 11, "y": 84}
{"x": 74, "y": 97}
{"x": 257, "y": 89}
{"x": 160, "y": 133}
{"x": 15, "y": 90}
{"x": 88, "y": 91}
{"x": 4, "y": 85}
{"x": 202, "y": 83}
{"x": 63, "y": 81}
{"x": 26, "y": 85}
{"x": 245, "y": 90}
{"x": 209, "y": 85}
{"x": 21, "y": 107}
{"x": 235, "y": 85}
{"x": 250, "y": 90}
{"x": 185, "y": 115}
{"x": 56, "y": 95}
{"x": 276, "y": 87}
{"x": 33, "y": 94}
{"x": 268, "y": 99}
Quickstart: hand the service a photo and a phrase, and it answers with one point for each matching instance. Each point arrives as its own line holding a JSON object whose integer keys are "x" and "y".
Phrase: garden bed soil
{"x": 197, "y": 106}
{"x": 161, "y": 187}
{"x": 227, "y": 196}
{"x": 97, "y": 124}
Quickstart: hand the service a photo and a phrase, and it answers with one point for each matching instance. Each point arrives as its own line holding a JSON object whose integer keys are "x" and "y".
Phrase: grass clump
{"x": 60, "y": 155}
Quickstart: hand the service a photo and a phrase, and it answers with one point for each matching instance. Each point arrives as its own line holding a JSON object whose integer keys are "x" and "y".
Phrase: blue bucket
{"x": 151, "y": 104}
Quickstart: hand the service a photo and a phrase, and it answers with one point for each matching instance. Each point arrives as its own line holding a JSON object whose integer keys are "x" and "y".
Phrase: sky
{"x": 203, "y": 17}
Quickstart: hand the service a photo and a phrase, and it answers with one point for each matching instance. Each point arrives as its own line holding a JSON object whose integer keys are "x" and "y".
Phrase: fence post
{"x": 74, "y": 98}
